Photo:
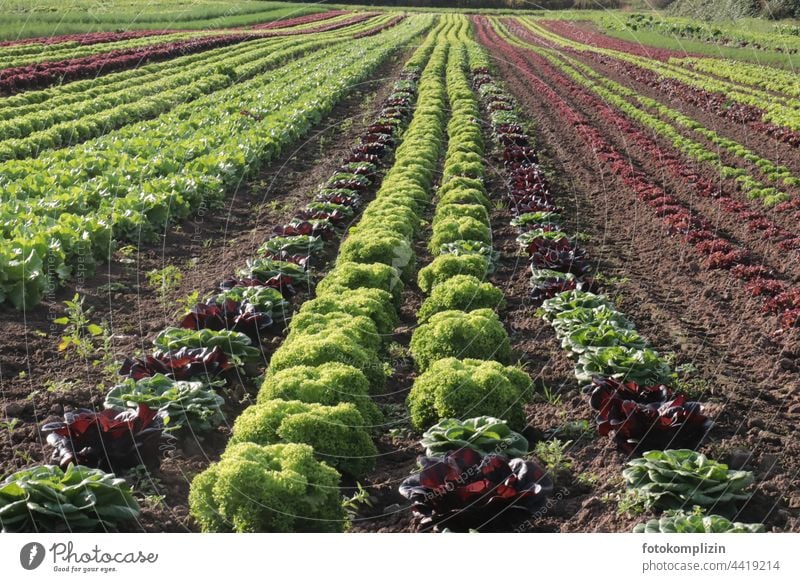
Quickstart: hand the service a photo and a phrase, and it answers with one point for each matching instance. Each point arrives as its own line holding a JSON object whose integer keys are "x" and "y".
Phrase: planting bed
{"x": 391, "y": 272}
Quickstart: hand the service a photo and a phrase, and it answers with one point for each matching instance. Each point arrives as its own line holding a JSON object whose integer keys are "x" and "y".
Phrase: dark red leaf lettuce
{"x": 111, "y": 440}
{"x": 183, "y": 364}
{"x": 466, "y": 490}
{"x": 643, "y": 418}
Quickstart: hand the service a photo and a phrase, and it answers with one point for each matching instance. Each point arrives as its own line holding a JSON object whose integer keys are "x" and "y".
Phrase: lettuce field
{"x": 298, "y": 268}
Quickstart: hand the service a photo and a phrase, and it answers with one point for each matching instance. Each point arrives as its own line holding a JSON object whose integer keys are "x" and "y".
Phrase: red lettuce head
{"x": 182, "y": 364}
{"x": 111, "y": 440}
{"x": 644, "y": 418}
{"x": 464, "y": 489}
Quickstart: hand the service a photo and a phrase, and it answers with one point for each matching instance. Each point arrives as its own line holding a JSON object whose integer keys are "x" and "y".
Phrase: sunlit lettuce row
{"x": 461, "y": 346}
{"x": 55, "y": 125}
{"x": 55, "y": 53}
{"x": 775, "y": 173}
{"x": 617, "y": 95}
{"x": 76, "y": 91}
{"x": 68, "y": 205}
{"x": 783, "y": 111}
{"x": 768, "y": 78}
{"x": 467, "y": 399}
{"x": 268, "y": 481}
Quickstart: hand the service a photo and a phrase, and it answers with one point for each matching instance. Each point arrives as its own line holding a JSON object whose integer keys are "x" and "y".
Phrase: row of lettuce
{"x": 65, "y": 209}
{"x": 628, "y": 388}
{"x": 37, "y": 121}
{"x": 467, "y": 399}
{"x": 719, "y": 250}
{"x": 333, "y": 355}
{"x": 666, "y": 121}
{"x": 175, "y": 391}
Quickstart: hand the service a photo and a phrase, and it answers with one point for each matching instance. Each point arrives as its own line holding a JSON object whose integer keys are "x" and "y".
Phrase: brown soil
{"x": 751, "y": 372}
{"x": 38, "y": 383}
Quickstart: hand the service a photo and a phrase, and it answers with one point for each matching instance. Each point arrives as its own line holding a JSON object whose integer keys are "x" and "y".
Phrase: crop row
{"x": 781, "y": 110}
{"x": 629, "y": 390}
{"x": 32, "y": 55}
{"x": 711, "y": 102}
{"x": 76, "y": 91}
{"x": 320, "y": 380}
{"x": 693, "y": 230}
{"x": 767, "y": 78}
{"x": 393, "y": 21}
{"x": 731, "y": 35}
{"x": 39, "y": 75}
{"x": 57, "y": 125}
{"x": 31, "y": 101}
{"x": 621, "y": 97}
{"x": 467, "y": 398}
{"x": 130, "y": 183}
{"x": 299, "y": 20}
{"x": 363, "y": 18}
{"x": 74, "y": 40}
{"x": 174, "y": 390}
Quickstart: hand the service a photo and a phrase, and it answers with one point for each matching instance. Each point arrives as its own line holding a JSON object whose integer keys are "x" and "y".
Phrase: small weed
{"x": 79, "y": 331}
{"x": 10, "y": 425}
{"x": 550, "y": 396}
{"x": 401, "y": 433}
{"x": 114, "y": 288}
{"x": 24, "y": 456}
{"x": 631, "y": 502}
{"x": 165, "y": 282}
{"x": 207, "y": 243}
{"x": 587, "y": 479}
{"x": 611, "y": 280}
{"x": 127, "y": 254}
{"x": 143, "y": 482}
{"x": 500, "y": 204}
{"x": 574, "y": 430}
{"x": 552, "y": 454}
{"x": 684, "y": 380}
{"x": 190, "y": 301}
{"x": 360, "y": 498}
{"x": 59, "y": 385}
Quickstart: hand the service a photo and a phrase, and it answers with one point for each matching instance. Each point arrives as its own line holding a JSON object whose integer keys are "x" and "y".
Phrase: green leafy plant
{"x": 49, "y": 499}
{"x": 183, "y": 404}
{"x": 679, "y": 478}
{"x": 329, "y": 384}
{"x": 452, "y": 229}
{"x": 589, "y": 337}
{"x": 79, "y": 332}
{"x": 331, "y": 346}
{"x": 453, "y": 388}
{"x": 165, "y": 282}
{"x": 462, "y": 292}
{"x": 474, "y": 334}
{"x": 237, "y": 346}
{"x": 372, "y": 303}
{"x": 349, "y": 275}
{"x": 274, "y": 488}
{"x": 446, "y": 266}
{"x": 678, "y": 521}
{"x": 643, "y": 366}
{"x": 485, "y": 434}
{"x": 337, "y": 433}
